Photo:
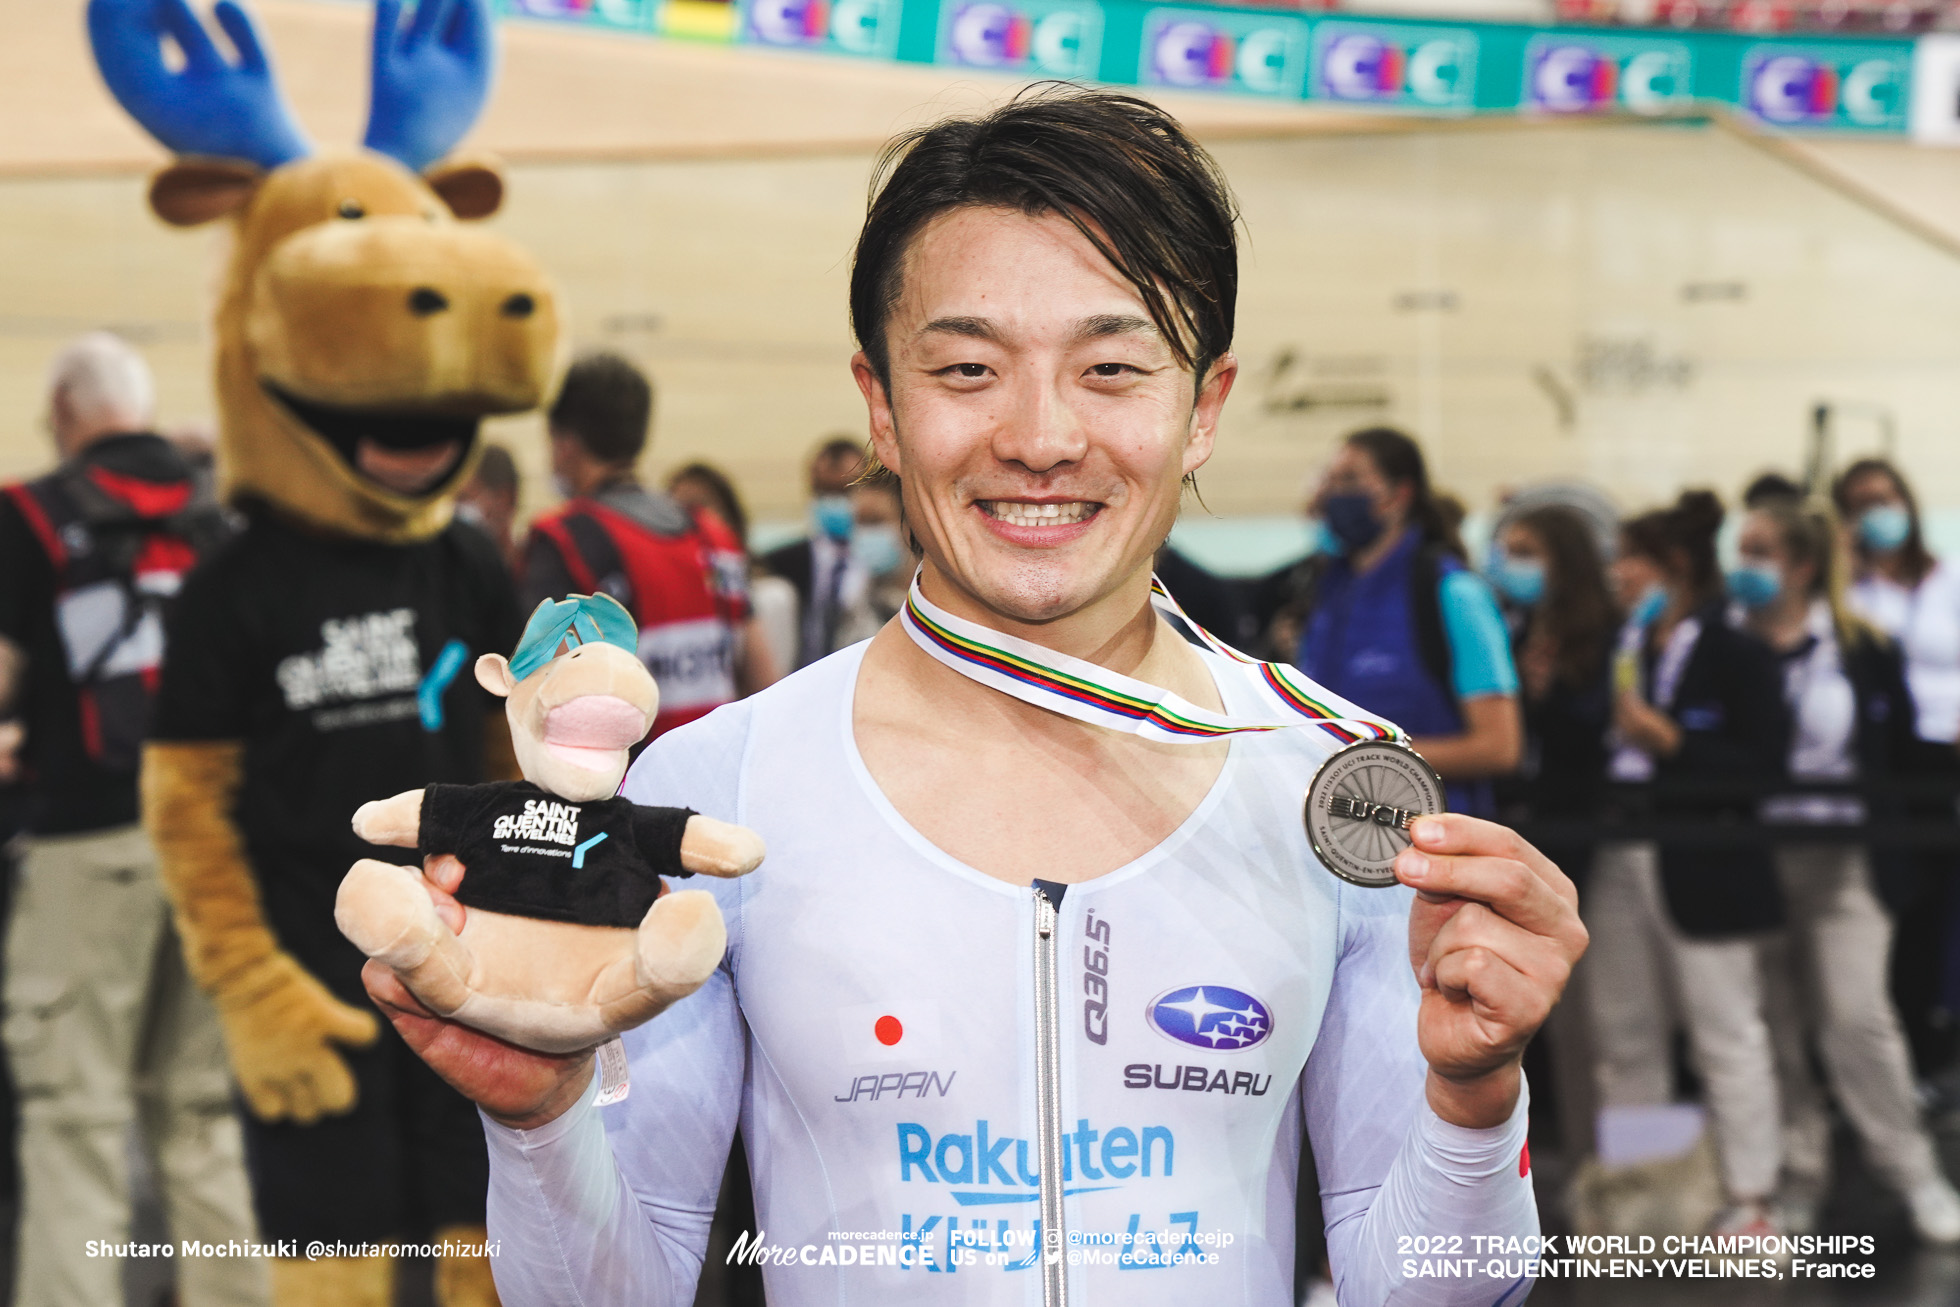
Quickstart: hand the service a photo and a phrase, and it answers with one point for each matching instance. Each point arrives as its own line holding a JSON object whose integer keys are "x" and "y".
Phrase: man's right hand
{"x": 516, "y": 1086}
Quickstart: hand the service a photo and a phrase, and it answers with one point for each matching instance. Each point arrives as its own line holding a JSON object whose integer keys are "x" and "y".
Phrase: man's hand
{"x": 1493, "y": 935}
{"x": 516, "y": 1086}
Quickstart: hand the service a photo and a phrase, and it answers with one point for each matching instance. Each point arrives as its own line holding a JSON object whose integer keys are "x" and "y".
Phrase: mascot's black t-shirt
{"x": 533, "y": 854}
{"x": 345, "y": 667}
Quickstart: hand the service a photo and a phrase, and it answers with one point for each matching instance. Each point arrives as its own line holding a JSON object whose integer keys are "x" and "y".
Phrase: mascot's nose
{"x": 595, "y": 721}
{"x": 424, "y": 301}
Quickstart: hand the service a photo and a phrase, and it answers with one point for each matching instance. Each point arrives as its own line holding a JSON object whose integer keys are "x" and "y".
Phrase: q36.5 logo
{"x": 1212, "y": 1017}
{"x": 867, "y": 27}
{"x": 1563, "y": 75}
{"x": 1249, "y": 53}
{"x": 1062, "y": 40}
{"x": 1812, "y": 88}
{"x": 1388, "y": 65}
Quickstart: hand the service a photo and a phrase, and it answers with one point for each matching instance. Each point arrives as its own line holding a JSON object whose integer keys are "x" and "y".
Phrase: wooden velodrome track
{"x": 1637, "y": 304}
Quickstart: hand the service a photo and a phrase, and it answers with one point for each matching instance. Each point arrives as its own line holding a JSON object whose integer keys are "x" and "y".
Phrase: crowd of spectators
{"x": 1750, "y": 770}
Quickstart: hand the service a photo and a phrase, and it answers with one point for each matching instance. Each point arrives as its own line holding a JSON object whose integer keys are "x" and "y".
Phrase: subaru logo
{"x": 1212, "y": 1017}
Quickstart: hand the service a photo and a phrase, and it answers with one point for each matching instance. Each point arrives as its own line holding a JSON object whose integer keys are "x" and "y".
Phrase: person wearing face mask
{"x": 1696, "y": 701}
{"x": 680, "y": 571}
{"x": 1903, "y": 590}
{"x": 828, "y": 581}
{"x": 1852, "y": 722}
{"x": 1546, "y": 568}
{"x": 1388, "y": 614}
{"x": 880, "y": 550}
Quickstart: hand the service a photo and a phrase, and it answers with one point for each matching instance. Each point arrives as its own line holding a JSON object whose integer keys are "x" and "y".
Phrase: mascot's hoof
{"x": 386, "y": 911}
{"x": 681, "y": 940}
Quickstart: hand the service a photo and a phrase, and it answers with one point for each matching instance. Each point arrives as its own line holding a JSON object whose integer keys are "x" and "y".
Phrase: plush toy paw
{"x": 678, "y": 944}
{"x": 553, "y": 986}
{"x": 280, "y": 1027}
{"x": 396, "y": 821}
{"x": 718, "y": 848}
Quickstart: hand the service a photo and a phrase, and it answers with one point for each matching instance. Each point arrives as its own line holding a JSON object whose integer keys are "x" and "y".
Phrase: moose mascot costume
{"x": 321, "y": 659}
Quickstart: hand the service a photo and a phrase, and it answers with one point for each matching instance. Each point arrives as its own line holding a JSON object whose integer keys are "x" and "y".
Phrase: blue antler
{"x": 430, "y": 77}
{"x": 210, "y": 106}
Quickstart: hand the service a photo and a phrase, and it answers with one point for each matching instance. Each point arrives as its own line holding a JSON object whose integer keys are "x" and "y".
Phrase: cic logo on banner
{"x": 1391, "y": 65}
{"x": 1570, "y": 75}
{"x": 1041, "y": 36}
{"x": 865, "y": 27}
{"x": 1826, "y": 86}
{"x": 1213, "y": 50}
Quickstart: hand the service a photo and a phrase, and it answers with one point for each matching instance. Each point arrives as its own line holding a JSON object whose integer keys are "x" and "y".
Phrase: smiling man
{"x": 1023, "y": 1006}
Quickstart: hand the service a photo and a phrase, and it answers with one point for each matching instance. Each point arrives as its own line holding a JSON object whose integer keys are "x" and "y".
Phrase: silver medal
{"x": 1361, "y": 804}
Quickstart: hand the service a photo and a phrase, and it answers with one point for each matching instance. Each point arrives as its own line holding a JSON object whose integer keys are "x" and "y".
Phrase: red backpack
{"x": 687, "y": 592}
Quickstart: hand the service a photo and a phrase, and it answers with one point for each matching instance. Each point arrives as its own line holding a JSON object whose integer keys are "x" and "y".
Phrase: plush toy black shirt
{"x": 532, "y": 854}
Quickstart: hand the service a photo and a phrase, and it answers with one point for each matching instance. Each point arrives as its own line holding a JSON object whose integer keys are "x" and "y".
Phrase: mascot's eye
{"x": 352, "y": 209}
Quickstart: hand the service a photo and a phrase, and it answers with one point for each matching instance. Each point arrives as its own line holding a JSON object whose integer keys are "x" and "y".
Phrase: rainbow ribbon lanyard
{"x": 1076, "y": 688}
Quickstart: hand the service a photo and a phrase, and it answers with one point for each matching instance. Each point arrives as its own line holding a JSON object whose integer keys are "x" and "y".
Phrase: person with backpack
{"x": 103, "y": 1027}
{"x": 1389, "y": 615}
{"x": 681, "y": 572}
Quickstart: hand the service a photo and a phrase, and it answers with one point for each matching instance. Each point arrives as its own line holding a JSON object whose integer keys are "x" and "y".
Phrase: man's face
{"x": 1040, "y": 423}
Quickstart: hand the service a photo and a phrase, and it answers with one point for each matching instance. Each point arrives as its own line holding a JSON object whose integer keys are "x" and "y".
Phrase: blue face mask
{"x": 1521, "y": 580}
{"x": 1350, "y": 519}
{"x": 876, "y": 548}
{"x": 1884, "y": 527}
{"x": 1649, "y": 606}
{"x": 1755, "y": 585}
{"x": 831, "y": 516}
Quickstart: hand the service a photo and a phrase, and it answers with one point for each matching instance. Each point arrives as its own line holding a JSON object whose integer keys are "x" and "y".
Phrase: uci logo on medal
{"x": 1216, "y": 1018}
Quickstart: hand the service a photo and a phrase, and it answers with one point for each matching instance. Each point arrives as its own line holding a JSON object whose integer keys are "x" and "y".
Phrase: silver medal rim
{"x": 1341, "y": 862}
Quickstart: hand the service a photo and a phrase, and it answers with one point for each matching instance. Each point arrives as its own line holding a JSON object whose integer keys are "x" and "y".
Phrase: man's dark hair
{"x": 606, "y": 404}
{"x": 836, "y": 449}
{"x": 1768, "y": 488}
{"x": 1141, "y": 191}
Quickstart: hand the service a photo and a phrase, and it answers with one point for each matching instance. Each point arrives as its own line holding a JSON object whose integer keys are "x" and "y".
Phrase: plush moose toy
{"x": 569, "y": 937}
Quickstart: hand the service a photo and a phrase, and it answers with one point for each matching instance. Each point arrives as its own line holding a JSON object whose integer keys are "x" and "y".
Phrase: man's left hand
{"x": 1493, "y": 935}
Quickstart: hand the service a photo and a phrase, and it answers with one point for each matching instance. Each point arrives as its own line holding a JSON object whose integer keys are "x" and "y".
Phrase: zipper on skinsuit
{"x": 1048, "y": 1102}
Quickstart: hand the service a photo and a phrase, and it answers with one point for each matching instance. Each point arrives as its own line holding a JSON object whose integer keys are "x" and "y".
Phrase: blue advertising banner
{"x": 1852, "y": 85}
